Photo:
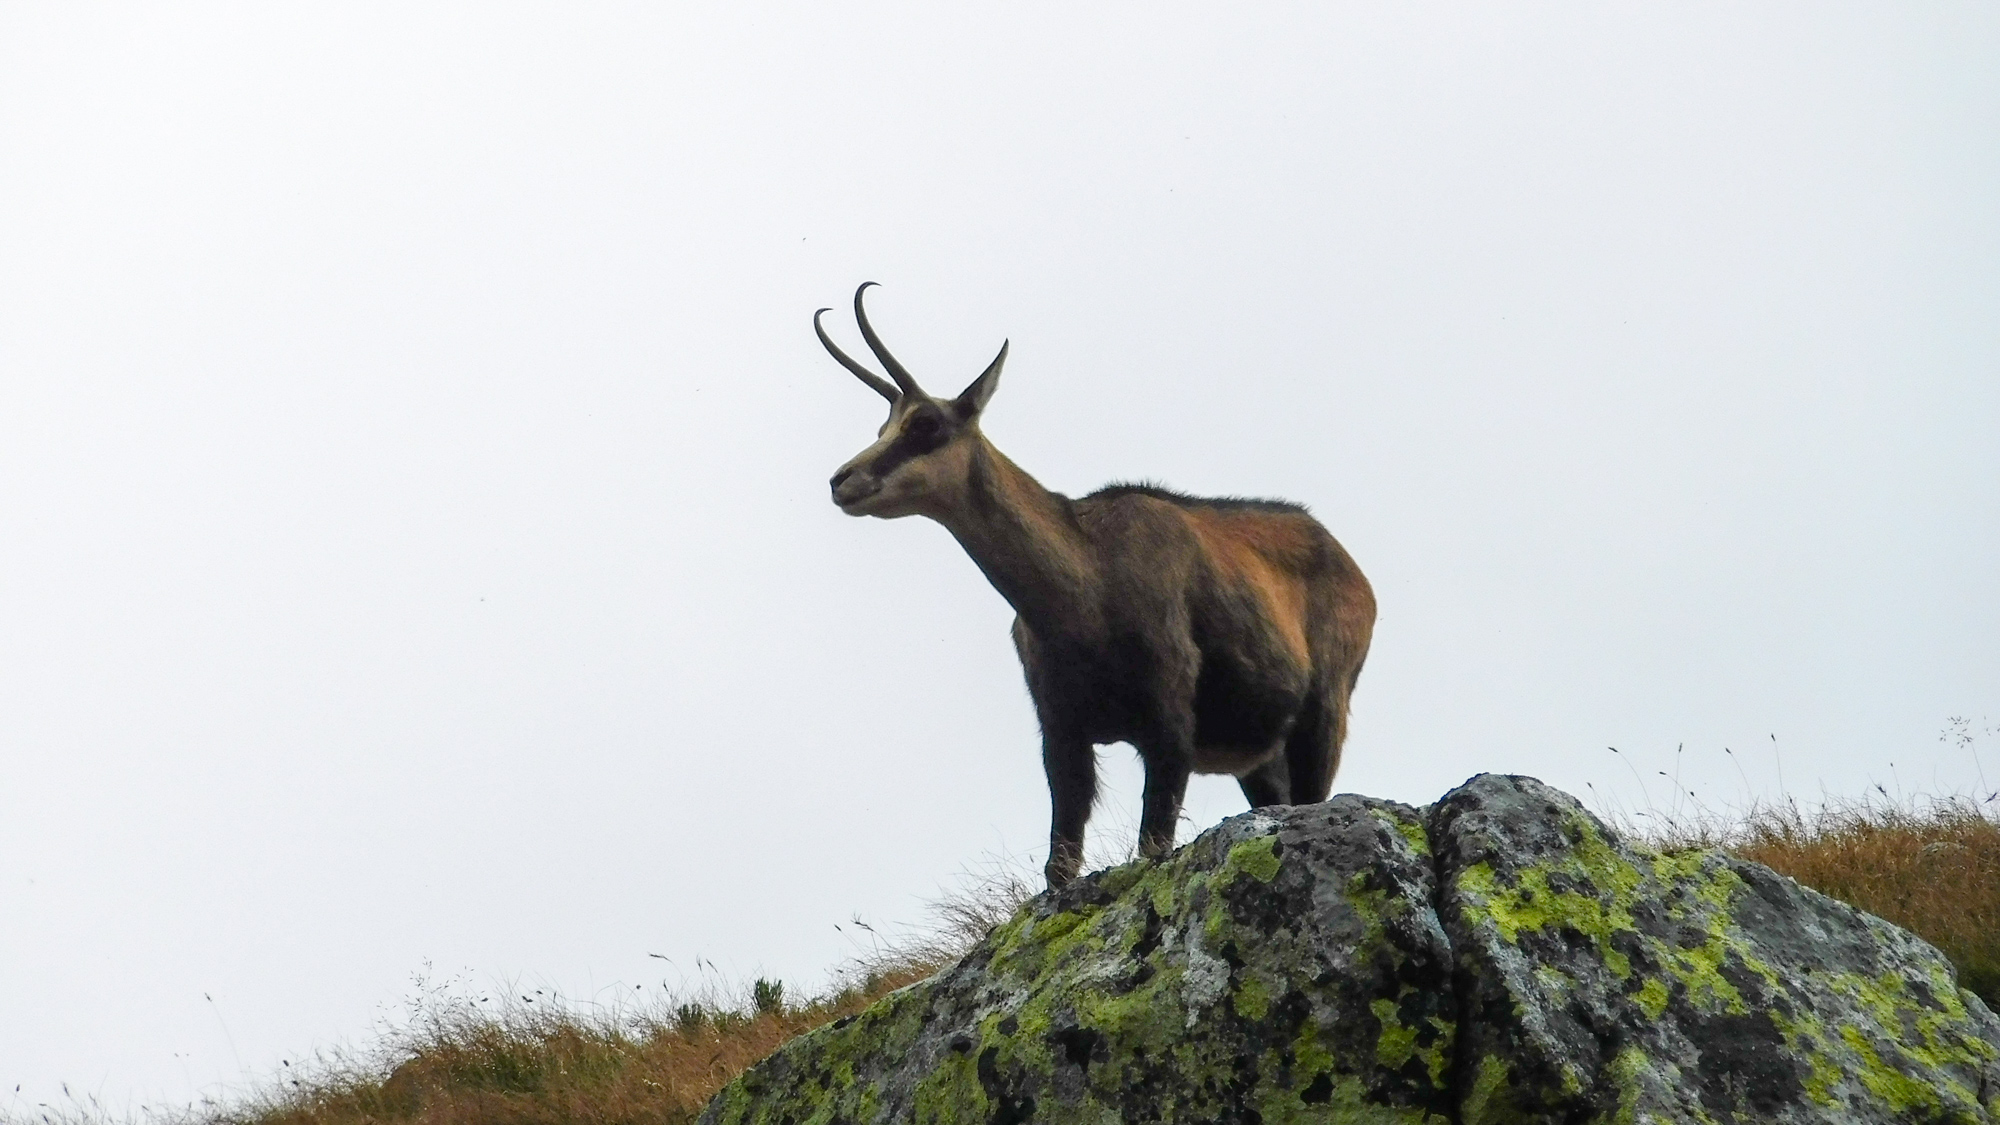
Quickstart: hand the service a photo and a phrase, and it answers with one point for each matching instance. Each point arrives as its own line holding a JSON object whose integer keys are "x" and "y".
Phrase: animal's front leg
{"x": 1168, "y": 749}
{"x": 1071, "y": 765}
{"x": 1166, "y": 786}
{"x": 1169, "y": 758}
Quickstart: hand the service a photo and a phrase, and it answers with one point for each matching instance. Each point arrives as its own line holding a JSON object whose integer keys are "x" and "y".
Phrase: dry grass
{"x": 546, "y": 1064}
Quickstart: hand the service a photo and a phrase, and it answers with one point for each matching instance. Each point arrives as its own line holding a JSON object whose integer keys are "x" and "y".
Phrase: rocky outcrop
{"x": 1501, "y": 956}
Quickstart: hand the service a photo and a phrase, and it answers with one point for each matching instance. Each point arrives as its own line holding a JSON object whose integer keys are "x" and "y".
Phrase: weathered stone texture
{"x": 1501, "y": 956}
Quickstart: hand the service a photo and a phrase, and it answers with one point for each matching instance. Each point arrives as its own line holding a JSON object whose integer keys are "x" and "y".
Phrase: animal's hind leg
{"x": 1268, "y": 784}
{"x": 1312, "y": 752}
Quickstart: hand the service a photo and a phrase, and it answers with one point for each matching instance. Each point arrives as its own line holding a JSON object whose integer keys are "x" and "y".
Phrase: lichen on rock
{"x": 1501, "y": 956}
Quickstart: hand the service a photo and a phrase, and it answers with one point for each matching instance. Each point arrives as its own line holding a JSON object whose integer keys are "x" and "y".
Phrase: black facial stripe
{"x": 908, "y": 446}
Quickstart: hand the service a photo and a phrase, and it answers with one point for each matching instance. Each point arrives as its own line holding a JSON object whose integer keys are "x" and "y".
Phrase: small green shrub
{"x": 688, "y": 1018}
{"x": 767, "y": 996}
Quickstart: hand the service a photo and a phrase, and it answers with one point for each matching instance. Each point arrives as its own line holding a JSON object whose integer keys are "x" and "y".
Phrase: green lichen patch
{"x": 1489, "y": 1098}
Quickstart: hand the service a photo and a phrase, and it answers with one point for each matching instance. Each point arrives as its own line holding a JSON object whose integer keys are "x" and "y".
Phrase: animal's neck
{"x": 1027, "y": 542}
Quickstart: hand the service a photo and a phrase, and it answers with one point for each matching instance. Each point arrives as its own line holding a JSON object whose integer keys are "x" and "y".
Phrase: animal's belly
{"x": 1239, "y": 716}
{"x": 1237, "y": 760}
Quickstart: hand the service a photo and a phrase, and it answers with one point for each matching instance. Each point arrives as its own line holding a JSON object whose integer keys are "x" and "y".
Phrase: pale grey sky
{"x": 414, "y": 541}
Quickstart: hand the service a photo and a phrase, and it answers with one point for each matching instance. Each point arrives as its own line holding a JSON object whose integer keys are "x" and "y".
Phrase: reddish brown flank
{"x": 1271, "y": 555}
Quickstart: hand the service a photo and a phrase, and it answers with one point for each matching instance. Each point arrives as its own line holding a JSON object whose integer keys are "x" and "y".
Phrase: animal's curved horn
{"x": 896, "y": 370}
{"x": 880, "y": 385}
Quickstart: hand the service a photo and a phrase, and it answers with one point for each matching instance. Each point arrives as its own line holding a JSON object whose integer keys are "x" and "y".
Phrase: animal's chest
{"x": 1106, "y": 685}
{"x": 1240, "y": 684}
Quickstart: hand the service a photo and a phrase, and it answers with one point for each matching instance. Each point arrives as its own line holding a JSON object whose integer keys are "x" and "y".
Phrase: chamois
{"x": 1214, "y": 635}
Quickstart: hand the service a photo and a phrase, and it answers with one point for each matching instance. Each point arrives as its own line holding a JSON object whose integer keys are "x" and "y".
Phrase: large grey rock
{"x": 1603, "y": 981}
{"x": 1499, "y": 957}
{"x": 1285, "y": 966}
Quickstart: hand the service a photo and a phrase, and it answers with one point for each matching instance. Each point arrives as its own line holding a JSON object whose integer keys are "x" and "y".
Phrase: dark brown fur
{"x": 1214, "y": 635}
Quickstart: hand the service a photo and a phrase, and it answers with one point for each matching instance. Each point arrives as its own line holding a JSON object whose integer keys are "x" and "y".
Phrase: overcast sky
{"x": 414, "y": 534}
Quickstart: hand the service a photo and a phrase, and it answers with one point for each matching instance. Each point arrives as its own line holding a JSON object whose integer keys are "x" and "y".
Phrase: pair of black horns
{"x": 905, "y": 382}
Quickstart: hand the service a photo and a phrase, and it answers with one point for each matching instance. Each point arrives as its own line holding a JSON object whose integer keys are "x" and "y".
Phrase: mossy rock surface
{"x": 1501, "y": 956}
{"x": 1603, "y": 981}
{"x": 1285, "y": 966}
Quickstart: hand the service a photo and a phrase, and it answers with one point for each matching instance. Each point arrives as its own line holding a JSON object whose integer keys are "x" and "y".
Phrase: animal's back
{"x": 1308, "y": 587}
{"x": 1275, "y": 545}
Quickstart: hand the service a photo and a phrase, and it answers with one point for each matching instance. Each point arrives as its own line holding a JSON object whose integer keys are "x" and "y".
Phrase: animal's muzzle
{"x": 851, "y": 487}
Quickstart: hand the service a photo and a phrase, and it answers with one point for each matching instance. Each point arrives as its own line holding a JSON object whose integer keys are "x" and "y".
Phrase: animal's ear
{"x": 972, "y": 399}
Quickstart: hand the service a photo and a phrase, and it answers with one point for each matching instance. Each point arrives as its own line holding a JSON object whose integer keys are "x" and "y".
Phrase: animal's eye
{"x": 924, "y": 426}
